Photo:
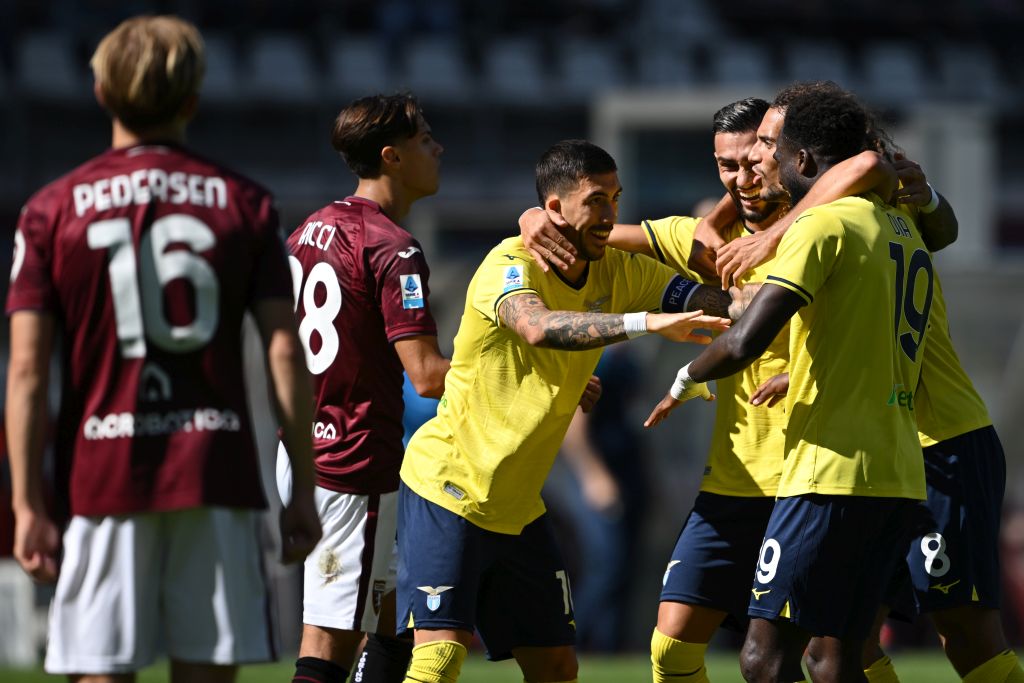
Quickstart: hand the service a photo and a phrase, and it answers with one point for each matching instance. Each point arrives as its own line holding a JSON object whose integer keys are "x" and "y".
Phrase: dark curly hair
{"x": 565, "y": 163}
{"x": 833, "y": 125}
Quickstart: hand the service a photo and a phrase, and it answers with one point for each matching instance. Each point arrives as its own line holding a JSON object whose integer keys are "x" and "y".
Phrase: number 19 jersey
{"x": 855, "y": 349}
{"x": 148, "y": 257}
{"x": 360, "y": 284}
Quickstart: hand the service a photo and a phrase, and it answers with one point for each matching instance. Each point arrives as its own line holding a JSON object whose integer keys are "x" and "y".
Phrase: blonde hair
{"x": 147, "y": 68}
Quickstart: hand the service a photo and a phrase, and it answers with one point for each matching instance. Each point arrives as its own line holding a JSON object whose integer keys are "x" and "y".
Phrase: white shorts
{"x": 191, "y": 581}
{"x": 355, "y": 564}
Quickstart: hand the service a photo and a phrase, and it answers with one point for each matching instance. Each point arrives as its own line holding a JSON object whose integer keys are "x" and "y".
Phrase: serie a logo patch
{"x": 412, "y": 291}
{"x": 513, "y": 278}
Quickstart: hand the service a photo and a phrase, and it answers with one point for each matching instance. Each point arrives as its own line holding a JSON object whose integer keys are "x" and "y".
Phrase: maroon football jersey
{"x": 360, "y": 284}
{"x": 149, "y": 257}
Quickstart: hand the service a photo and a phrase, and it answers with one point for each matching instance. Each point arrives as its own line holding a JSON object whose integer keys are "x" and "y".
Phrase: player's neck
{"x": 393, "y": 199}
{"x": 123, "y": 137}
{"x": 769, "y": 221}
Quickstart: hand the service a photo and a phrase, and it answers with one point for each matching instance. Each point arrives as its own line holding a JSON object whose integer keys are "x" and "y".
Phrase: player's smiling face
{"x": 732, "y": 156}
{"x": 592, "y": 209}
{"x": 761, "y": 157}
{"x": 421, "y": 160}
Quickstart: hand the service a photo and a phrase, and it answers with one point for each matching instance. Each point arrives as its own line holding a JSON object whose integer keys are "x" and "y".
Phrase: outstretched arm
{"x": 528, "y": 316}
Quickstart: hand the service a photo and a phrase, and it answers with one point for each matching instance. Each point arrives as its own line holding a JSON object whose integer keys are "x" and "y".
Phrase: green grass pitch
{"x": 913, "y": 667}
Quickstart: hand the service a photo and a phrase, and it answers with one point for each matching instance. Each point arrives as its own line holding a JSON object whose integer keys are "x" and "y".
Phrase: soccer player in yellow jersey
{"x": 475, "y": 549}
{"x": 855, "y": 278}
{"x": 955, "y": 565}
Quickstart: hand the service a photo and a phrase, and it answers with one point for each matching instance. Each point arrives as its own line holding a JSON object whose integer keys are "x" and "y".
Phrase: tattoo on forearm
{"x": 569, "y": 330}
{"x": 711, "y": 300}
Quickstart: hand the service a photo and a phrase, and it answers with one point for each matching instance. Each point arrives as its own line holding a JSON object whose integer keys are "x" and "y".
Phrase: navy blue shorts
{"x": 957, "y": 562}
{"x": 455, "y": 575}
{"x": 715, "y": 553}
{"x": 826, "y": 561}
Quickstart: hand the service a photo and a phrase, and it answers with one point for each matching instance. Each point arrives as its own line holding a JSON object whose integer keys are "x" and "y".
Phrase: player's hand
{"x": 704, "y": 251}
{"x": 300, "y": 527}
{"x": 743, "y": 254}
{"x": 36, "y": 542}
{"x": 539, "y": 228}
{"x": 679, "y": 327}
{"x": 741, "y": 298}
{"x": 913, "y": 183}
{"x": 668, "y": 404}
{"x": 772, "y": 391}
{"x": 591, "y": 394}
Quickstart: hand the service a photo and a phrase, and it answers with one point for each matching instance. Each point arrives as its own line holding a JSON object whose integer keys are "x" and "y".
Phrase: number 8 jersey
{"x": 855, "y": 349}
{"x": 360, "y": 284}
{"x": 148, "y": 257}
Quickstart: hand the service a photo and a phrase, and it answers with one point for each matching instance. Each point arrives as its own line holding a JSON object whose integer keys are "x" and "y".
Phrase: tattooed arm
{"x": 528, "y": 317}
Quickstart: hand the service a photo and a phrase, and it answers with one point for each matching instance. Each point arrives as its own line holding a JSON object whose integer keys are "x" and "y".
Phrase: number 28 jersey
{"x": 360, "y": 285}
{"x": 148, "y": 257}
{"x": 856, "y": 349}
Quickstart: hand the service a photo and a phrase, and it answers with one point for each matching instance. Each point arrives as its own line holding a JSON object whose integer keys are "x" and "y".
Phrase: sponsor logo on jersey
{"x": 898, "y": 397}
{"x": 434, "y": 595}
{"x": 758, "y": 594}
{"x": 513, "y": 278}
{"x": 129, "y": 425}
{"x": 668, "y": 569}
{"x": 317, "y": 234}
{"x": 412, "y": 291}
{"x": 945, "y": 589}
{"x": 409, "y": 252}
{"x": 324, "y": 431}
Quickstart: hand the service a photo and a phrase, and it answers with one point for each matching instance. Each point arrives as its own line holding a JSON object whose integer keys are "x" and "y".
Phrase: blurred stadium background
{"x": 499, "y": 82}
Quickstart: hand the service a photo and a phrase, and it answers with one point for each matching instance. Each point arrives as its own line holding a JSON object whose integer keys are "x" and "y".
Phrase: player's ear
{"x": 806, "y": 164}
{"x": 553, "y": 203}
{"x": 389, "y": 155}
{"x": 97, "y": 92}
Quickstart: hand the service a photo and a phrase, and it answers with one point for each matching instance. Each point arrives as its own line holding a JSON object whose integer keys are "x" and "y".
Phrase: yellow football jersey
{"x": 745, "y": 458}
{"x": 947, "y": 404}
{"x": 507, "y": 404}
{"x": 855, "y": 349}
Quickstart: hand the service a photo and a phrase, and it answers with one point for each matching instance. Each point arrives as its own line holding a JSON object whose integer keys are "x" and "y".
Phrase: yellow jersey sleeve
{"x": 671, "y": 240}
{"x": 503, "y": 273}
{"x": 807, "y": 254}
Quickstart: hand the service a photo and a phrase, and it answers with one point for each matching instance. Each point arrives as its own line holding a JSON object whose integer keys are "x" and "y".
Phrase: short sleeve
{"x": 402, "y": 277}
{"x": 807, "y": 254}
{"x": 646, "y": 285}
{"x": 671, "y": 240}
{"x": 501, "y": 276}
{"x": 32, "y": 286}
{"x": 271, "y": 277}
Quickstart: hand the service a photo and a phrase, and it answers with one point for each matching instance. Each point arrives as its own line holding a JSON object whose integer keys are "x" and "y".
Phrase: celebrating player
{"x": 148, "y": 256}
{"x": 475, "y": 548}
{"x": 361, "y": 294}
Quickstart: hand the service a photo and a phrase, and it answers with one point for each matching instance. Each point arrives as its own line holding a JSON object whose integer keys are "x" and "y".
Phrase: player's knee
{"x": 439, "y": 661}
{"x": 758, "y": 663}
{"x": 560, "y": 665}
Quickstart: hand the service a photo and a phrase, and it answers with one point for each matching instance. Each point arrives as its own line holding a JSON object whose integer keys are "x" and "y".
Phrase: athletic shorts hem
{"x": 330, "y": 622}
{"x": 97, "y": 668}
{"x": 697, "y": 601}
{"x": 436, "y": 624}
{"x": 766, "y": 614}
{"x": 954, "y": 604}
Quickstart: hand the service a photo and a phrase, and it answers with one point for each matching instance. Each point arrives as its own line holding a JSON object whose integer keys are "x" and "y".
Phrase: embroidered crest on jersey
{"x": 434, "y": 595}
{"x": 154, "y": 383}
{"x": 412, "y": 291}
{"x": 513, "y": 278}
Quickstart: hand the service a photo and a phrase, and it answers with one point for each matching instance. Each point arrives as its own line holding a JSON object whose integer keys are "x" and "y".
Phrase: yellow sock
{"x": 676, "y": 661}
{"x": 881, "y": 672}
{"x": 436, "y": 662}
{"x": 1003, "y": 668}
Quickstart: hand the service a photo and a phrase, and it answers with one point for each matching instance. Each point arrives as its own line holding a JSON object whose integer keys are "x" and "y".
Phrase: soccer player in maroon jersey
{"x": 147, "y": 257}
{"x": 362, "y": 298}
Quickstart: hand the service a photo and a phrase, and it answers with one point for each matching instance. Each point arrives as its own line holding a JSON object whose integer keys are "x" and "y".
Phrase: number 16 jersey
{"x": 148, "y": 257}
{"x": 360, "y": 284}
